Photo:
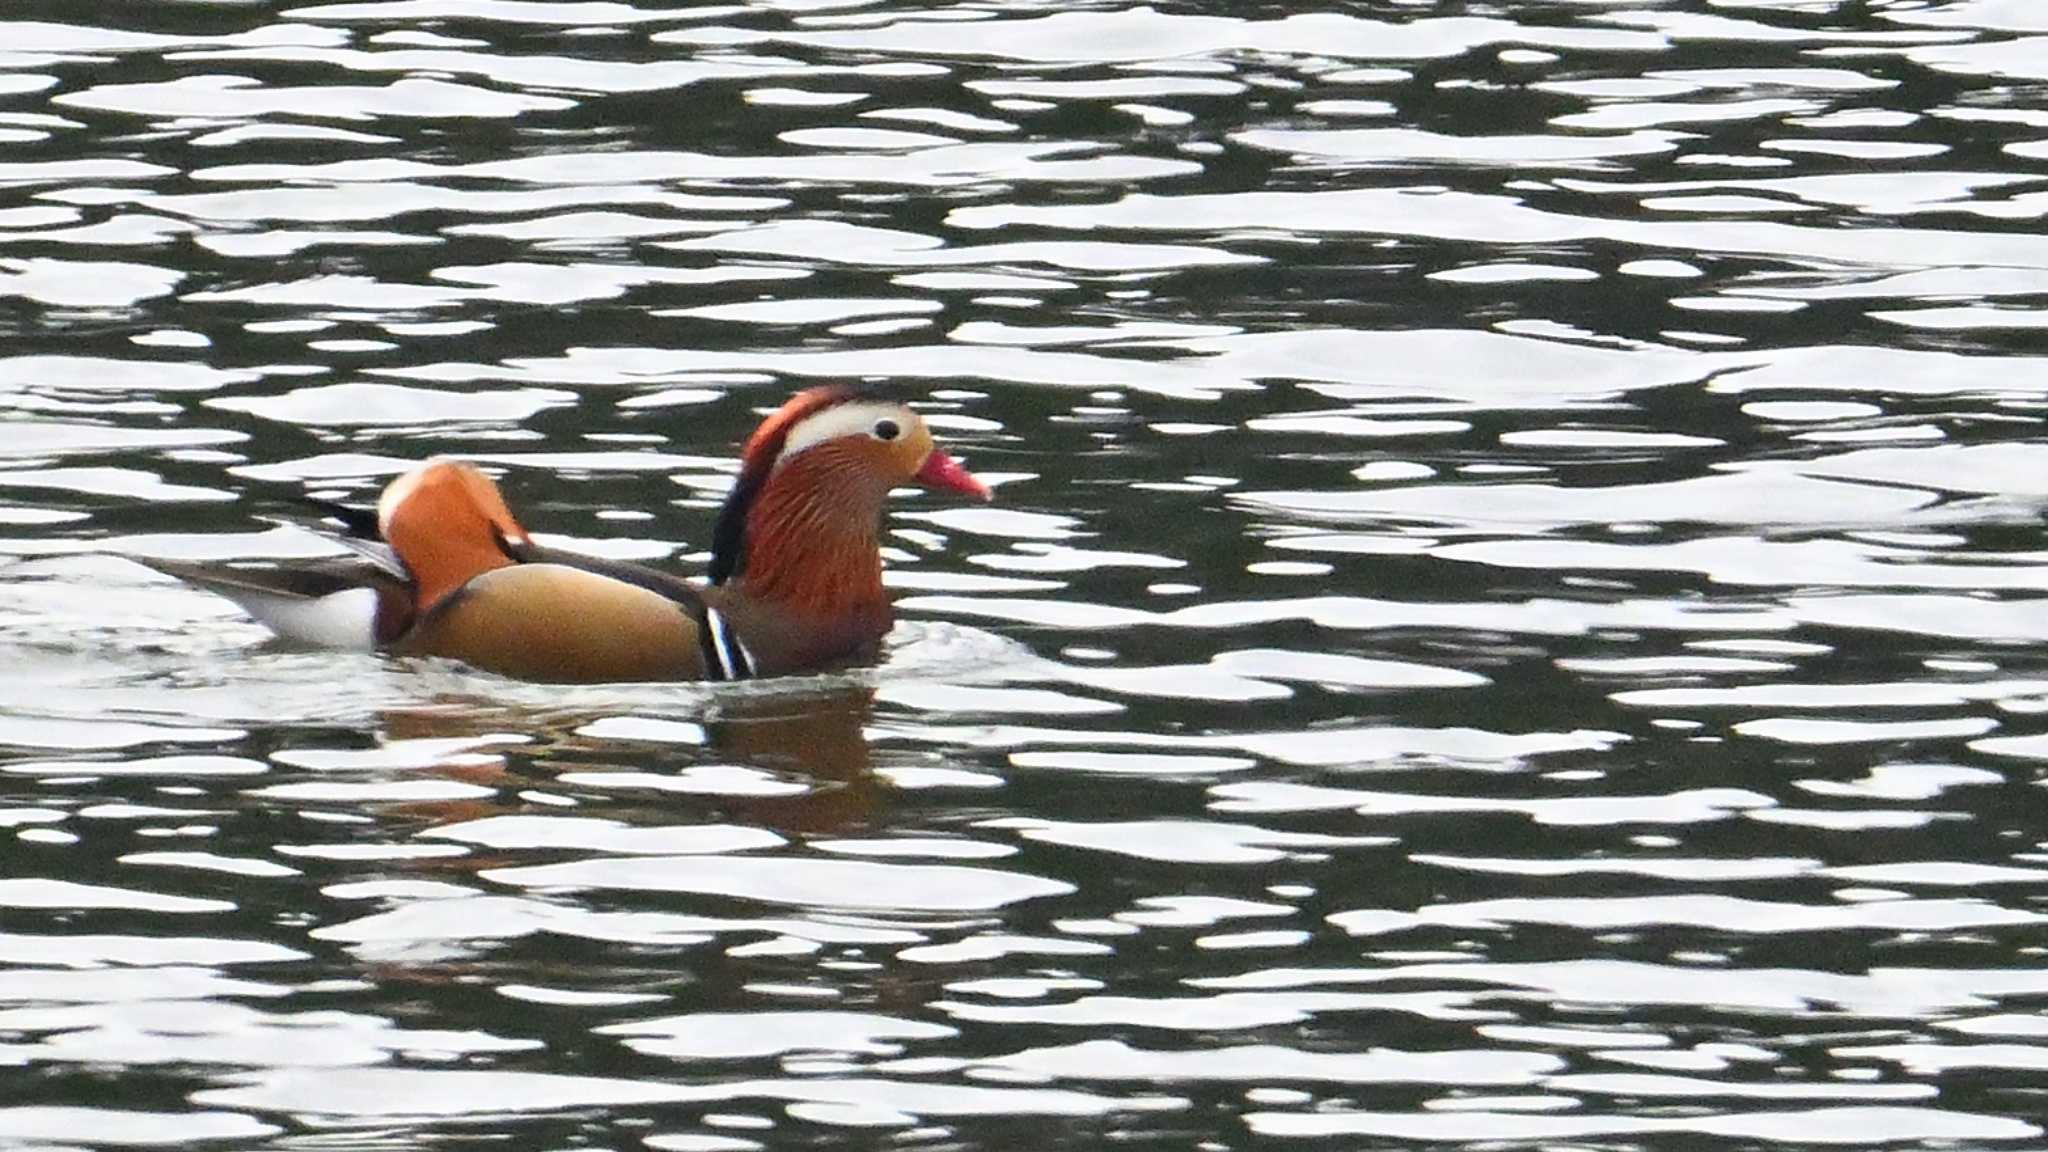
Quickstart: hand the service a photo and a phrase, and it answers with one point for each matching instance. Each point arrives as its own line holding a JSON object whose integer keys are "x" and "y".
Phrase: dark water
{"x": 1511, "y": 615}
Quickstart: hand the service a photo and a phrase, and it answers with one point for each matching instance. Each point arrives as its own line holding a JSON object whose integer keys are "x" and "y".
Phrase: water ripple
{"x": 1508, "y": 617}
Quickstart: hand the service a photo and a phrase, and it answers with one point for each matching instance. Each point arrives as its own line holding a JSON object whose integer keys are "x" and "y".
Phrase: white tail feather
{"x": 345, "y": 619}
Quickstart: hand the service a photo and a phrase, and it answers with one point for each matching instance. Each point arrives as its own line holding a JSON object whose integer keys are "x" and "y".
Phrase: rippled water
{"x": 1509, "y": 616}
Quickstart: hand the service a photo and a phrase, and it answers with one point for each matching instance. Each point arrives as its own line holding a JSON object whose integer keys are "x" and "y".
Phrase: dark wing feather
{"x": 625, "y": 571}
{"x": 299, "y": 582}
{"x": 358, "y": 522}
{"x": 378, "y": 553}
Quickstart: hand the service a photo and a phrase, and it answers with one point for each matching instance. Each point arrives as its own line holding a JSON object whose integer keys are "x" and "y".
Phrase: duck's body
{"x": 795, "y": 579}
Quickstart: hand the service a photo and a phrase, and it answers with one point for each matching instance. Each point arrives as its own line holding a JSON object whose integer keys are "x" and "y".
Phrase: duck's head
{"x": 448, "y": 522}
{"x": 823, "y": 464}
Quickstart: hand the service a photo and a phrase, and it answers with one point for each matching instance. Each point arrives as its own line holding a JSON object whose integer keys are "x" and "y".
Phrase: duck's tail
{"x": 322, "y": 606}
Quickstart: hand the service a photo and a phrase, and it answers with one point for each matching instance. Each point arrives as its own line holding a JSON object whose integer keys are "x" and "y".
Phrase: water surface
{"x": 1508, "y": 619}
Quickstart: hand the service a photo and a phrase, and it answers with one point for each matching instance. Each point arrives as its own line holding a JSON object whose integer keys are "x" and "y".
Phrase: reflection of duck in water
{"x": 812, "y": 739}
{"x": 795, "y": 578}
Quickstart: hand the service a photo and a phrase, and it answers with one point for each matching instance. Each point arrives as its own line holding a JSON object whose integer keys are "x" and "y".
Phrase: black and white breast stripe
{"x": 725, "y": 657}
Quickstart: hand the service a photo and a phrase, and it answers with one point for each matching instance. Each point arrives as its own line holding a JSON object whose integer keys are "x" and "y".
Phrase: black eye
{"x": 887, "y": 430}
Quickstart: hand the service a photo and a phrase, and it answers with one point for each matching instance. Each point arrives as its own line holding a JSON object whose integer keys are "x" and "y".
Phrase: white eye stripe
{"x": 856, "y": 418}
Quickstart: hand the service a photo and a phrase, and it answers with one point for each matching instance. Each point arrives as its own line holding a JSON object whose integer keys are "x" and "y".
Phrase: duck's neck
{"x": 813, "y": 550}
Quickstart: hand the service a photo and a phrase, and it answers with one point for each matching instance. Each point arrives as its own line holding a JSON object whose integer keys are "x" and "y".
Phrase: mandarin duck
{"x": 794, "y": 584}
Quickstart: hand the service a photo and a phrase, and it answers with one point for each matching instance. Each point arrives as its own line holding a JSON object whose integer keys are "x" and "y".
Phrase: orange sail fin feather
{"x": 795, "y": 580}
{"x": 448, "y": 523}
